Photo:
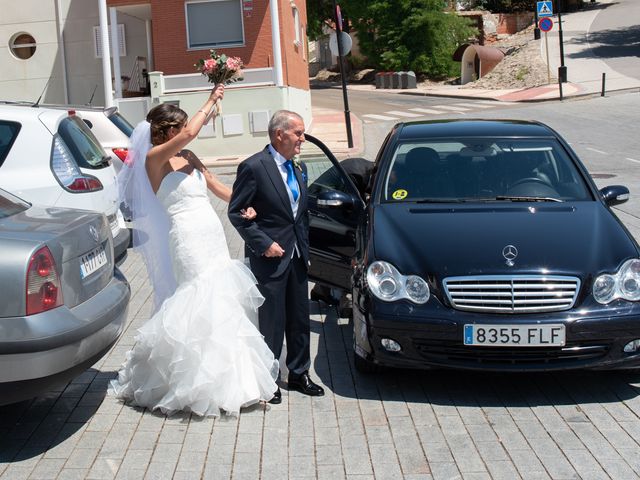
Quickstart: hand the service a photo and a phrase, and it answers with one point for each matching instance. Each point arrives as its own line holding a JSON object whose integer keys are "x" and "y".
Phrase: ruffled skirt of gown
{"x": 201, "y": 352}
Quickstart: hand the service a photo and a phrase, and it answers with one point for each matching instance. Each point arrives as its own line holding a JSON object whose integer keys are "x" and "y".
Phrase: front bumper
{"x": 593, "y": 341}
{"x": 42, "y": 351}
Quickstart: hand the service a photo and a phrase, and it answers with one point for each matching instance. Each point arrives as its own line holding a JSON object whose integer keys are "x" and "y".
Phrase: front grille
{"x": 512, "y": 293}
{"x": 450, "y": 353}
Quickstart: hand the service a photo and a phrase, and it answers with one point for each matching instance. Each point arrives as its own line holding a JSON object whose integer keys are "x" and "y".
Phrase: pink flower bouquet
{"x": 220, "y": 68}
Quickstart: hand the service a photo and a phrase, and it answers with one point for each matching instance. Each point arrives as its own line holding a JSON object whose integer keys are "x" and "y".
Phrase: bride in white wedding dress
{"x": 201, "y": 351}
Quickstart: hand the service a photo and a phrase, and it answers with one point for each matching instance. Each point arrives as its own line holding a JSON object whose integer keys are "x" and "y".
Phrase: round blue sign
{"x": 545, "y": 24}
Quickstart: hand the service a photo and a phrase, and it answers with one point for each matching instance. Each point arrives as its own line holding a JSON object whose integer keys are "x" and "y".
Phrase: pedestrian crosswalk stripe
{"x": 398, "y": 113}
{"x": 473, "y": 105}
{"x": 378, "y": 117}
{"x": 495, "y": 103}
{"x": 455, "y": 109}
{"x": 426, "y": 110}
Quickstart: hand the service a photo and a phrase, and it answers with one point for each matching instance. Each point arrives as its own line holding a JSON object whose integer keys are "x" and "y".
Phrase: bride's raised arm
{"x": 178, "y": 137}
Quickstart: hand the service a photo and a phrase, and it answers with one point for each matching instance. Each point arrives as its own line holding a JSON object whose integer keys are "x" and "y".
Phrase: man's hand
{"x": 248, "y": 213}
{"x": 274, "y": 250}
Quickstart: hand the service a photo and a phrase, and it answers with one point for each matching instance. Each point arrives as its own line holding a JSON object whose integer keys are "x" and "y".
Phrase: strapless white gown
{"x": 201, "y": 352}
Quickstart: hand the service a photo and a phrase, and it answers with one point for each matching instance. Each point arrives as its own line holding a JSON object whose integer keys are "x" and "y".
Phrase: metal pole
{"x": 562, "y": 70}
{"x": 347, "y": 114}
{"x": 536, "y": 29}
{"x": 546, "y": 47}
{"x": 604, "y": 77}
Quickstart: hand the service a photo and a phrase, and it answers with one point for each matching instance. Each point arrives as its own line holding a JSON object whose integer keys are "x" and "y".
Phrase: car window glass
{"x": 122, "y": 123}
{"x": 321, "y": 173}
{"x": 482, "y": 169}
{"x": 10, "y": 205}
{"x": 8, "y": 133}
{"x": 84, "y": 147}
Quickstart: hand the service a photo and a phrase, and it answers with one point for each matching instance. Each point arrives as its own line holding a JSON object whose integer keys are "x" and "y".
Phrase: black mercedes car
{"x": 478, "y": 244}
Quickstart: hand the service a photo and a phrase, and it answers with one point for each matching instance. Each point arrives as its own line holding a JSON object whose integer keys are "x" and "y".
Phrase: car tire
{"x": 365, "y": 366}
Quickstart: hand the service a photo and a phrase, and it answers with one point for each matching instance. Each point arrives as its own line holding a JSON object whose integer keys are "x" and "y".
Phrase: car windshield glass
{"x": 122, "y": 123}
{"x": 10, "y": 205}
{"x": 83, "y": 145}
{"x": 474, "y": 170}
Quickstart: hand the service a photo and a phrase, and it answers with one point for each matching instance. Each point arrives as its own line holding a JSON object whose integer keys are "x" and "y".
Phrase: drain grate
{"x": 603, "y": 175}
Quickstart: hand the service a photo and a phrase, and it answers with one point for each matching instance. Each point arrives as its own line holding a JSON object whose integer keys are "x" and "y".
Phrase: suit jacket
{"x": 259, "y": 185}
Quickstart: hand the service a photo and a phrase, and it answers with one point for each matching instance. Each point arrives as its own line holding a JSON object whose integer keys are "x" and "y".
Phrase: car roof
{"x": 472, "y": 128}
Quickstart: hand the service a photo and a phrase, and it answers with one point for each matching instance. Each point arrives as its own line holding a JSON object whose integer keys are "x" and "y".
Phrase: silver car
{"x": 63, "y": 303}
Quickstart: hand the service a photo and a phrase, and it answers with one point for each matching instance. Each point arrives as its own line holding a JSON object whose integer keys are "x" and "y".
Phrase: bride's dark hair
{"x": 162, "y": 117}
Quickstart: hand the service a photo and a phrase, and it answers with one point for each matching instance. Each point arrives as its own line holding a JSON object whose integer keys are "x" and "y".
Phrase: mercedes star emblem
{"x": 510, "y": 253}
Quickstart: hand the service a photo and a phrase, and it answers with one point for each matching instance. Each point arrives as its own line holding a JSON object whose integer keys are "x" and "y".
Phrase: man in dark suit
{"x": 277, "y": 243}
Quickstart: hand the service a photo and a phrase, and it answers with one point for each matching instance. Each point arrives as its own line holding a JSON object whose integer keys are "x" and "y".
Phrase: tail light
{"x": 43, "y": 283}
{"x": 67, "y": 172}
{"x": 121, "y": 153}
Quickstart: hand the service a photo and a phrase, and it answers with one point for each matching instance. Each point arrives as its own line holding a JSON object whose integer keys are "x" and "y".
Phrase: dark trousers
{"x": 285, "y": 312}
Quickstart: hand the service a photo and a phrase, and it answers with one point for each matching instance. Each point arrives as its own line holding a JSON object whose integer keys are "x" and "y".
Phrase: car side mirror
{"x": 335, "y": 199}
{"x": 614, "y": 194}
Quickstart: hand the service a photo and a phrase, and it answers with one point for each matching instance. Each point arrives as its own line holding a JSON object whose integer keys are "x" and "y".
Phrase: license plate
{"x": 115, "y": 227}
{"x": 551, "y": 335}
{"x": 92, "y": 261}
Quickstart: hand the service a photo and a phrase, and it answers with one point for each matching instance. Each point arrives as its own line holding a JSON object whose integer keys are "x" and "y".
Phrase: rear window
{"x": 8, "y": 133}
{"x": 10, "y": 204}
{"x": 83, "y": 145}
{"x": 122, "y": 123}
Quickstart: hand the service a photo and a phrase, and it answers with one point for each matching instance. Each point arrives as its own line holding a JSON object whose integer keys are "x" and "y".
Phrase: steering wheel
{"x": 530, "y": 180}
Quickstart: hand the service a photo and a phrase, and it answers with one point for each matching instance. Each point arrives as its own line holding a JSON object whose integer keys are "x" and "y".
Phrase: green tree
{"x": 416, "y": 35}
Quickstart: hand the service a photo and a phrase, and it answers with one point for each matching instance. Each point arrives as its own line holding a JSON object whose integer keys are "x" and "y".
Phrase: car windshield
{"x": 458, "y": 170}
{"x": 82, "y": 143}
{"x": 122, "y": 123}
{"x": 10, "y": 204}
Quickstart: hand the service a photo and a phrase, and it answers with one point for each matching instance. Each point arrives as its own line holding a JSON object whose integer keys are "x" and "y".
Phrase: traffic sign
{"x": 545, "y": 9}
{"x": 545, "y": 24}
{"x": 346, "y": 40}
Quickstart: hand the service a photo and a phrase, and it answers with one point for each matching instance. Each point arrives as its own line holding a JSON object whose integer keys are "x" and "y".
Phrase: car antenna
{"x": 43, "y": 90}
{"x": 92, "y": 94}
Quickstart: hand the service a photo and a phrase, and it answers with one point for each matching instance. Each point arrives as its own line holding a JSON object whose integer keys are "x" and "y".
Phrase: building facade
{"x": 54, "y": 49}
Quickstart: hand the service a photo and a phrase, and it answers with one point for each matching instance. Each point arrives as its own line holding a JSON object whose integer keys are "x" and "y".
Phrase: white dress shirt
{"x": 280, "y": 161}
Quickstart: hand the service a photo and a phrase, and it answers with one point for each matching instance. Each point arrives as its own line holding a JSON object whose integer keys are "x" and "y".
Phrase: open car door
{"x": 335, "y": 210}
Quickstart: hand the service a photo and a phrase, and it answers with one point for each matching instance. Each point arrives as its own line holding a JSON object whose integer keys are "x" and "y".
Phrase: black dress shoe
{"x": 277, "y": 397}
{"x": 303, "y": 384}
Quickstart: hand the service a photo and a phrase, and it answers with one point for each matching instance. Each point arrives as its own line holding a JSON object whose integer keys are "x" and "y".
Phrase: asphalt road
{"x": 615, "y": 36}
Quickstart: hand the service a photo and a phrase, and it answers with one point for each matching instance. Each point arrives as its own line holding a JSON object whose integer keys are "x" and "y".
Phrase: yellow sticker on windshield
{"x": 399, "y": 194}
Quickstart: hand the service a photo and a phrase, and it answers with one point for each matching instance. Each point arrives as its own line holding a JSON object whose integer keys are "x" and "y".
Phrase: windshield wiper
{"x": 525, "y": 199}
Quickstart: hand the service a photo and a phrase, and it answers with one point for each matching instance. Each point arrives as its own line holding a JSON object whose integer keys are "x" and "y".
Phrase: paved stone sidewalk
{"x": 402, "y": 424}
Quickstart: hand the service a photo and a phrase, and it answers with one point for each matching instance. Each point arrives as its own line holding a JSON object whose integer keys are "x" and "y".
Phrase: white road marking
{"x": 496, "y": 102}
{"x": 474, "y": 105}
{"x": 597, "y": 151}
{"x": 378, "y": 117}
{"x": 451, "y": 107}
{"x": 426, "y": 110}
{"x": 403, "y": 114}
{"x": 633, "y": 160}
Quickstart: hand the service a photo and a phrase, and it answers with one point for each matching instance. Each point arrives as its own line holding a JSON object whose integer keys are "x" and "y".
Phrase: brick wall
{"x": 171, "y": 55}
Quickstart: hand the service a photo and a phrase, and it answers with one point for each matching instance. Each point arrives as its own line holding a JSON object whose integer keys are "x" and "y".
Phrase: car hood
{"x": 454, "y": 240}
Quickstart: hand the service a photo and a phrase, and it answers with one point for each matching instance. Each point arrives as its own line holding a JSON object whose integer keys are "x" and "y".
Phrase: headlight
{"x": 386, "y": 283}
{"x": 624, "y": 284}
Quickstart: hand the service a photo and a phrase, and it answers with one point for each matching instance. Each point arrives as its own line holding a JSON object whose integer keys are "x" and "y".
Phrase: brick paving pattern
{"x": 401, "y": 424}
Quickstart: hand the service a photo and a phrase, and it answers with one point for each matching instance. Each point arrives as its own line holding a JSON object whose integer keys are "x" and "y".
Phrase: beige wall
{"x": 26, "y": 79}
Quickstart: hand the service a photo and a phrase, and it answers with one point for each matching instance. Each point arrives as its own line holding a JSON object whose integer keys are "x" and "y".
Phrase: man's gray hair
{"x": 280, "y": 120}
